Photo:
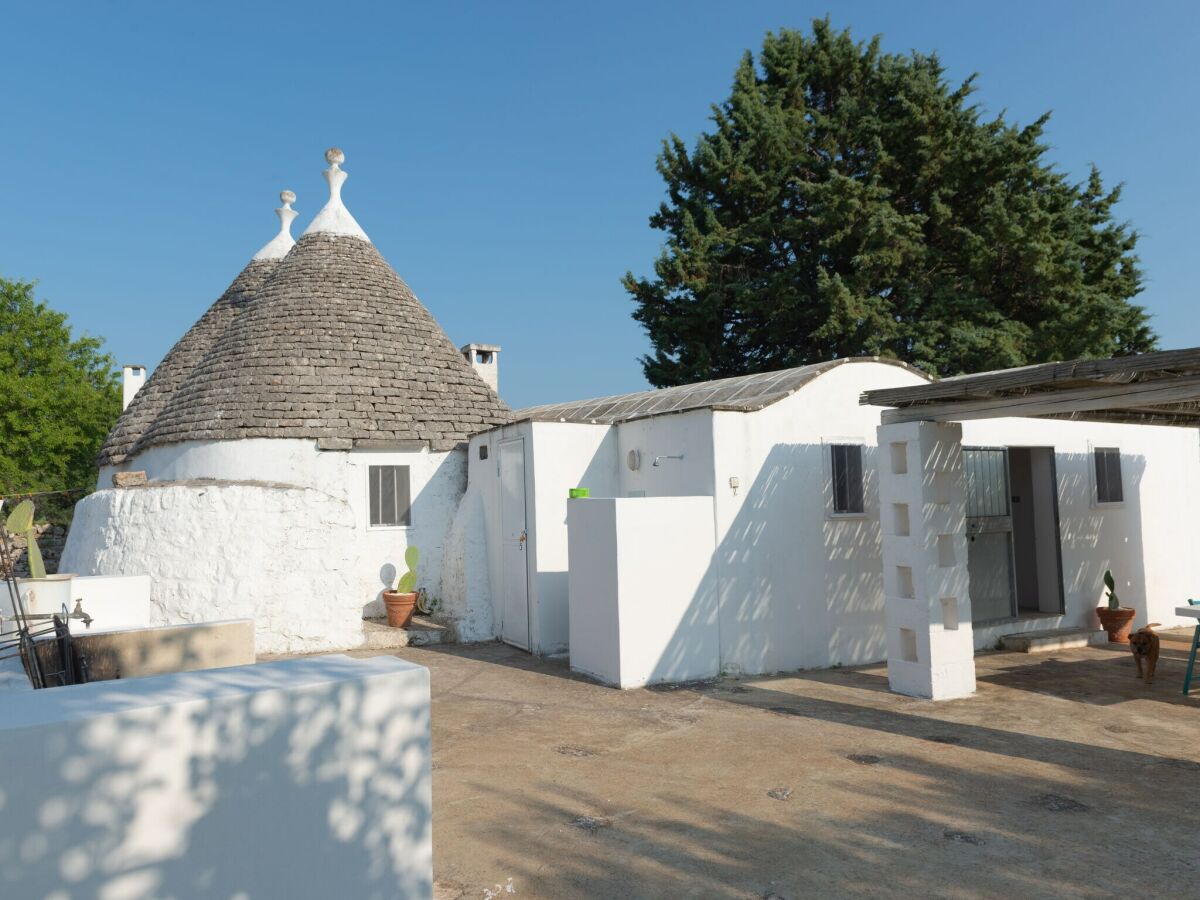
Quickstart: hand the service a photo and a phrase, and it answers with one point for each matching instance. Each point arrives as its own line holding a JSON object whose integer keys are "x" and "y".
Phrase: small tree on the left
{"x": 59, "y": 396}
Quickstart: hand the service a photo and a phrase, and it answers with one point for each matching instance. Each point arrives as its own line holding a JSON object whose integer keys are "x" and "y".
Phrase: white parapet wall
{"x": 642, "y": 590}
{"x": 301, "y": 778}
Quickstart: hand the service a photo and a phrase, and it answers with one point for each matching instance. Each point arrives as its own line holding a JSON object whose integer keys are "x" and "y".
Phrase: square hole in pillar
{"x": 899, "y": 452}
{"x": 904, "y": 582}
{"x": 942, "y": 484}
{"x": 950, "y": 613}
{"x": 908, "y": 645}
{"x": 945, "y": 548}
{"x": 900, "y": 519}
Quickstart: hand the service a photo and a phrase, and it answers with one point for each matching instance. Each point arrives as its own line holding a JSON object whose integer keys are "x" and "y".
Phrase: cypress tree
{"x": 851, "y": 202}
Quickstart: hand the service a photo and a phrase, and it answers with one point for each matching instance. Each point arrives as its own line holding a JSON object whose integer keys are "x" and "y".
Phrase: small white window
{"x": 847, "y": 477}
{"x": 1108, "y": 475}
{"x": 389, "y": 496}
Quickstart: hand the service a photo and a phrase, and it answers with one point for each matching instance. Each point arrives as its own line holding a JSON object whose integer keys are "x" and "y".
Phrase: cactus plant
{"x": 1114, "y": 602}
{"x": 20, "y": 521}
{"x": 407, "y": 583}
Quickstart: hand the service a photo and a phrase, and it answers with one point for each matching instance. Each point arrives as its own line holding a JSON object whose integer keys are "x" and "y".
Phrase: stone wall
{"x": 51, "y": 540}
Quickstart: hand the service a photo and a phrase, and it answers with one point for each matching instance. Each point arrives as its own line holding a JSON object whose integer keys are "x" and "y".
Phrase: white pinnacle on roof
{"x": 279, "y": 245}
{"x": 334, "y": 218}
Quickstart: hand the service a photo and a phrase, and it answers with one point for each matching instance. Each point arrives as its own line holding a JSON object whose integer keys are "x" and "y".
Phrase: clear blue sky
{"x": 501, "y": 155}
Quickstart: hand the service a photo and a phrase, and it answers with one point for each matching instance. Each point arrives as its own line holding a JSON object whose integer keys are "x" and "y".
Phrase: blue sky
{"x": 501, "y": 155}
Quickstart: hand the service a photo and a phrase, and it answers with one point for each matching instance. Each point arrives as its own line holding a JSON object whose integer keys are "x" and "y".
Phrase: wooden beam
{"x": 1047, "y": 403}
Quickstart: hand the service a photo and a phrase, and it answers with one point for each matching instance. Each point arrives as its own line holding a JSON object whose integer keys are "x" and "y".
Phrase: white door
{"x": 514, "y": 606}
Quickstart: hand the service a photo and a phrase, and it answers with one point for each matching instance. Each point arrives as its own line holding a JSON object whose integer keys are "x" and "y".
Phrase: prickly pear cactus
{"x": 408, "y": 581}
{"x": 20, "y": 521}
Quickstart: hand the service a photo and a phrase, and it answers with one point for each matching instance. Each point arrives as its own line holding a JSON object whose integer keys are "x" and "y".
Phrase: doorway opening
{"x": 1014, "y": 550}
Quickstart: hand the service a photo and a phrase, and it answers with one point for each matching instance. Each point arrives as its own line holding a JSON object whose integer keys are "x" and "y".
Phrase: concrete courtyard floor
{"x": 1064, "y": 776}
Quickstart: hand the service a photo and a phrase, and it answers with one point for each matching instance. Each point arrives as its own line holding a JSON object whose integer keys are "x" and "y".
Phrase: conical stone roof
{"x": 335, "y": 347}
{"x": 125, "y": 438}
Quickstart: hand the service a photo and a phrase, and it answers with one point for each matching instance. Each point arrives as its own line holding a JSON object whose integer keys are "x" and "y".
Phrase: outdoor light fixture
{"x": 633, "y": 459}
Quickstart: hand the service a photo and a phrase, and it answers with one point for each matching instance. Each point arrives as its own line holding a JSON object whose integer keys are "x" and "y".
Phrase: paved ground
{"x": 1063, "y": 777}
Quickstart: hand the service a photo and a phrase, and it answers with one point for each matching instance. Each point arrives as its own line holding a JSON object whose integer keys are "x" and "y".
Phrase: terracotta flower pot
{"x": 400, "y": 607}
{"x": 1117, "y": 622}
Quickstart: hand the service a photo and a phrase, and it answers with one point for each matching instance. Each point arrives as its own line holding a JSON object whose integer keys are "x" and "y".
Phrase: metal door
{"x": 514, "y": 606}
{"x": 989, "y": 533}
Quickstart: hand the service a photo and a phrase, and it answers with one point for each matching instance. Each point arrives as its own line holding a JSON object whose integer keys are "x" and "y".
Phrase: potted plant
{"x": 402, "y": 601}
{"x": 1116, "y": 619}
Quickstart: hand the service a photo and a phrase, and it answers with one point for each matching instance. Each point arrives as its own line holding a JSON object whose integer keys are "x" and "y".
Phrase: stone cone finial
{"x": 279, "y": 245}
{"x": 334, "y": 218}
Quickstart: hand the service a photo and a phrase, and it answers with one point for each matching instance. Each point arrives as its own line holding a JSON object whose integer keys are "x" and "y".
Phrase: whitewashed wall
{"x": 305, "y": 563}
{"x": 800, "y": 587}
{"x": 1148, "y": 541}
{"x": 304, "y": 778}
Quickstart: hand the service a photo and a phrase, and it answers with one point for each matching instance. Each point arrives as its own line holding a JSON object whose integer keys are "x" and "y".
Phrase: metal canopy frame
{"x": 1161, "y": 388}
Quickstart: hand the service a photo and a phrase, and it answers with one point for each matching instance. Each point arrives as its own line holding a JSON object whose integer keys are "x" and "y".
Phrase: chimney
{"x": 133, "y": 377}
{"x": 484, "y": 360}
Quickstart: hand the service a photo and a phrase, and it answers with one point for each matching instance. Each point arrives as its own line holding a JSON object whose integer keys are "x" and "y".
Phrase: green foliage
{"x": 59, "y": 396}
{"x": 850, "y": 202}
{"x": 1114, "y": 602}
{"x": 408, "y": 581}
{"x": 20, "y": 521}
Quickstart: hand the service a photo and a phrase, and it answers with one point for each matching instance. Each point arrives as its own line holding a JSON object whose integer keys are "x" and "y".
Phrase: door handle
{"x": 521, "y": 540}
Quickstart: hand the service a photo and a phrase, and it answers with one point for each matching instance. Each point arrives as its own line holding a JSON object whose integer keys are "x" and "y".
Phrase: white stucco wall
{"x": 800, "y": 587}
{"x": 307, "y": 566}
{"x": 643, "y": 609}
{"x": 302, "y": 778}
{"x": 1148, "y": 540}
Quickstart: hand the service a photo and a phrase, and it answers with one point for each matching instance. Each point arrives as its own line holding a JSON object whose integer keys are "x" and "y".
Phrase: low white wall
{"x": 302, "y": 778}
{"x": 643, "y": 605}
{"x": 113, "y": 601}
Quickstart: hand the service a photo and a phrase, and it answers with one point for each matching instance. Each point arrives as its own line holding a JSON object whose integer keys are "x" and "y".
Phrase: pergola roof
{"x": 1161, "y": 388}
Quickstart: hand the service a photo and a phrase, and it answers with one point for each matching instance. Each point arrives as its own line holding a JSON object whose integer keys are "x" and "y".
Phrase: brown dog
{"x": 1144, "y": 644}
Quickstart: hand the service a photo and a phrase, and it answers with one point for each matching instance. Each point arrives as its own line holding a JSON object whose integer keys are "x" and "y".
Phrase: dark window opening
{"x": 847, "y": 478}
{"x": 1108, "y": 475}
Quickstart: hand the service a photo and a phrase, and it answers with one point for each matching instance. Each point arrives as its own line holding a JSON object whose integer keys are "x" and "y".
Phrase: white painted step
{"x": 1052, "y": 639}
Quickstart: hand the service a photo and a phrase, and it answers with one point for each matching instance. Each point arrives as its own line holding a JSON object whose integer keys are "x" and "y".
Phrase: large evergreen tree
{"x": 59, "y": 396}
{"x": 853, "y": 202}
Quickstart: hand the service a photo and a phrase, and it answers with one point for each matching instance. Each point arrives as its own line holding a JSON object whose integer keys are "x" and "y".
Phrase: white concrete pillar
{"x": 922, "y": 510}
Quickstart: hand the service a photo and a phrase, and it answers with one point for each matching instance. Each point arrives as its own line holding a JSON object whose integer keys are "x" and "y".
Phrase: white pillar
{"x": 930, "y": 651}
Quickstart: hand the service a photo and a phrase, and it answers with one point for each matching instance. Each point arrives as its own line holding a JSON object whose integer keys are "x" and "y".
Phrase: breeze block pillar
{"x": 930, "y": 651}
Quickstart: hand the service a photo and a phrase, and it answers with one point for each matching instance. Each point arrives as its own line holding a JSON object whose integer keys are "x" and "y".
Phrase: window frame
{"x": 828, "y": 447}
{"x": 1093, "y": 461}
{"x": 368, "y": 468}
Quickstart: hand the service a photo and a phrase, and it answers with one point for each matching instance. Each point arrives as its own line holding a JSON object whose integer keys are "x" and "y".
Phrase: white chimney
{"x": 133, "y": 377}
{"x": 484, "y": 360}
